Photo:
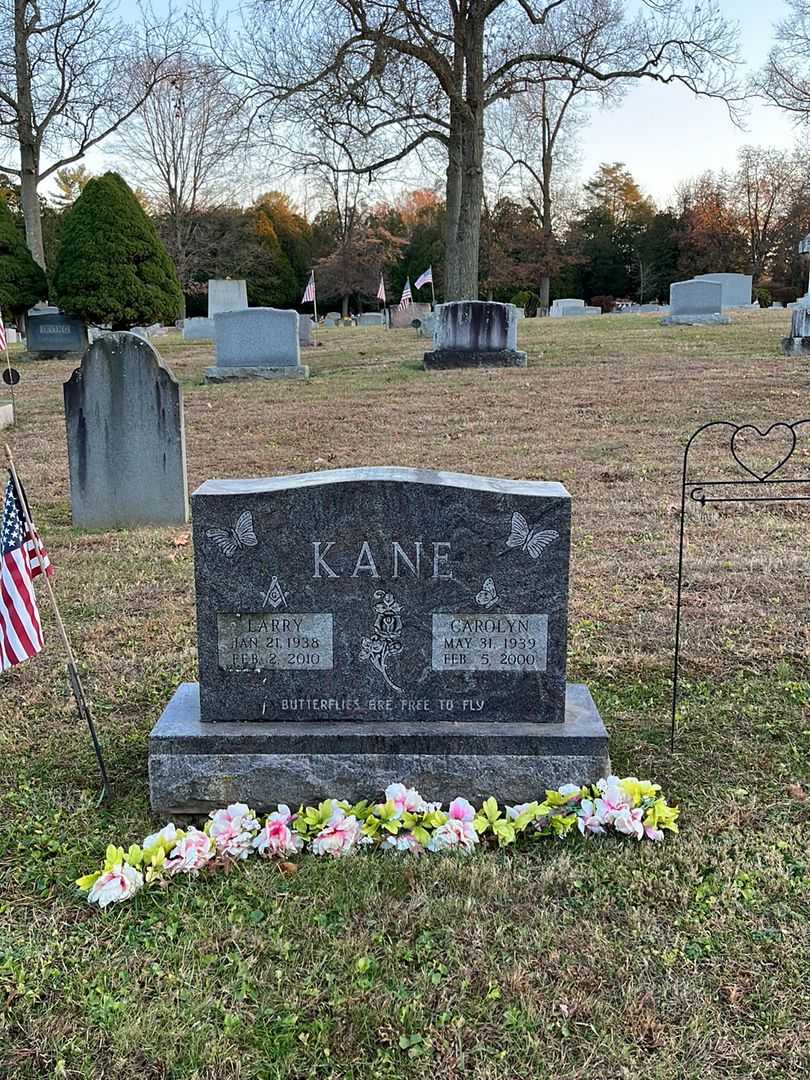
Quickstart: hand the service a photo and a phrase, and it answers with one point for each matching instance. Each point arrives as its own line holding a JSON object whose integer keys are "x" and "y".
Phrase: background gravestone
{"x": 399, "y": 318}
{"x": 305, "y": 328}
{"x": 695, "y": 302}
{"x": 371, "y": 318}
{"x": 474, "y": 333}
{"x": 126, "y": 442}
{"x": 198, "y": 329}
{"x": 737, "y": 288}
{"x": 226, "y": 294}
{"x": 257, "y": 343}
{"x": 372, "y": 623}
{"x": 54, "y": 333}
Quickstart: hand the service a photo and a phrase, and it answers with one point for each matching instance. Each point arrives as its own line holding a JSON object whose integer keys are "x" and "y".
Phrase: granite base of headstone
{"x": 125, "y": 435}
{"x": 798, "y": 343}
{"x": 256, "y": 343}
{"x": 474, "y": 334}
{"x": 363, "y": 626}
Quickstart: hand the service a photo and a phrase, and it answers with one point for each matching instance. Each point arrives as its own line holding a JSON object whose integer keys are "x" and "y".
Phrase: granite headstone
{"x": 371, "y": 624}
{"x": 226, "y": 294}
{"x": 52, "y": 334}
{"x": 125, "y": 435}
{"x": 736, "y": 288}
{"x": 198, "y": 329}
{"x": 371, "y": 318}
{"x": 305, "y": 327}
{"x": 474, "y": 333}
{"x": 257, "y": 343}
{"x": 695, "y": 302}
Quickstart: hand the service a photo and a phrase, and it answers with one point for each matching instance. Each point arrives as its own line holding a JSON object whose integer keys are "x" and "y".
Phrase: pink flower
{"x": 403, "y": 844}
{"x": 455, "y": 833}
{"x": 277, "y": 838}
{"x": 407, "y": 799}
{"x": 589, "y": 820}
{"x": 118, "y": 884}
{"x": 629, "y": 821}
{"x": 192, "y": 853}
{"x": 233, "y": 829}
{"x": 461, "y": 810}
{"x": 339, "y": 837}
{"x": 653, "y": 834}
{"x": 613, "y": 797}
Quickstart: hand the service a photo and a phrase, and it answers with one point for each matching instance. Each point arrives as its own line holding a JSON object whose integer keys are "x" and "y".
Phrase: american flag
{"x": 381, "y": 290}
{"x": 24, "y": 558}
{"x": 406, "y": 294}
{"x": 309, "y": 291}
{"x": 2, "y": 332}
{"x": 424, "y": 278}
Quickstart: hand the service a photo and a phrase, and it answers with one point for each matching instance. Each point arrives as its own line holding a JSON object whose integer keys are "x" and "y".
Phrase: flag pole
{"x": 432, "y": 290}
{"x": 73, "y": 671}
{"x": 10, "y": 385}
{"x": 314, "y": 297}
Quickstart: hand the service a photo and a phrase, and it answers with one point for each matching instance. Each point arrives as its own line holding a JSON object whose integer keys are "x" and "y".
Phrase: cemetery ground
{"x": 576, "y": 959}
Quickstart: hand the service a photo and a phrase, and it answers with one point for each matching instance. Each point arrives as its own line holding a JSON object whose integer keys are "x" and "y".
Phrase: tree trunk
{"x": 468, "y": 232}
{"x": 29, "y": 150}
{"x": 344, "y": 307}
{"x": 453, "y": 204}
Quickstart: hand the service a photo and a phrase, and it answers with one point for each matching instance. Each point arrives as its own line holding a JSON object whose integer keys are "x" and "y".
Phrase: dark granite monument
{"x": 362, "y": 626}
{"x": 474, "y": 333}
{"x": 55, "y": 334}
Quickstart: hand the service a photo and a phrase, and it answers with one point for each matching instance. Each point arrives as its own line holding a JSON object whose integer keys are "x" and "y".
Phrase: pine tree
{"x": 111, "y": 265}
{"x": 22, "y": 281}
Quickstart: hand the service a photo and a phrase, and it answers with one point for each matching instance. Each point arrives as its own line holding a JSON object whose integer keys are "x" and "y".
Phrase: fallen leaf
{"x": 182, "y": 539}
{"x": 796, "y": 791}
{"x": 288, "y": 869}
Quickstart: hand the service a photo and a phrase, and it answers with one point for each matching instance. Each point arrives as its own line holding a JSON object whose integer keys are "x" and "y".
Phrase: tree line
{"x": 487, "y": 96}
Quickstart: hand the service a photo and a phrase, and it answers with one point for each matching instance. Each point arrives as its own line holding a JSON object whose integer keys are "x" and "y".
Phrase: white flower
{"x": 191, "y": 853}
{"x": 629, "y": 821}
{"x": 167, "y": 837}
{"x": 118, "y": 884}
{"x": 403, "y": 844}
{"x": 514, "y": 812}
{"x": 233, "y": 829}
{"x": 455, "y": 833}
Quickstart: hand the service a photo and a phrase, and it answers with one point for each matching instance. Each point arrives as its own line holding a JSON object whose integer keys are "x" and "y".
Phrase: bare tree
{"x": 412, "y": 71}
{"x": 769, "y": 183}
{"x": 183, "y": 147}
{"x": 70, "y": 74}
{"x": 785, "y": 81}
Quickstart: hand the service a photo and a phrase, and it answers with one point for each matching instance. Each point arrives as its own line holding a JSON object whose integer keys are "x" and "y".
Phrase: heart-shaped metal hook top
{"x": 750, "y": 429}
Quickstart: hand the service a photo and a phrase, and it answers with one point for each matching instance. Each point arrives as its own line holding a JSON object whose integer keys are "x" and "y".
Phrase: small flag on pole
{"x": 381, "y": 290}
{"x": 424, "y": 279}
{"x": 24, "y": 558}
{"x": 309, "y": 291}
{"x": 406, "y": 294}
{"x": 3, "y": 339}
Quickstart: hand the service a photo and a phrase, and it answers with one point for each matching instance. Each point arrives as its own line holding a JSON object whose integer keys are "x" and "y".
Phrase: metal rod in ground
{"x": 677, "y": 658}
{"x": 11, "y": 388}
{"x": 73, "y": 671}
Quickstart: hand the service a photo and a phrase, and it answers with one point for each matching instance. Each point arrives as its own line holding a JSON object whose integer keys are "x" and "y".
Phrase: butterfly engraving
{"x": 532, "y": 541}
{"x": 488, "y": 594}
{"x": 242, "y": 535}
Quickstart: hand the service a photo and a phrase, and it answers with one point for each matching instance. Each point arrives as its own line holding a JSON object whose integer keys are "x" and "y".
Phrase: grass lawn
{"x": 575, "y": 960}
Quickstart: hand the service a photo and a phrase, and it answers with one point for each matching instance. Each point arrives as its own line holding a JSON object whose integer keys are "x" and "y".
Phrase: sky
{"x": 663, "y": 134}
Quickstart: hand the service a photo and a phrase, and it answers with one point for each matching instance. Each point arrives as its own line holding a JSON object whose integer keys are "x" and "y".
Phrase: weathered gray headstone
{"x": 373, "y": 624}
{"x": 226, "y": 294}
{"x": 474, "y": 333}
{"x": 54, "y": 333}
{"x": 198, "y": 329}
{"x": 371, "y": 318}
{"x": 257, "y": 343}
{"x": 695, "y": 302}
{"x": 332, "y": 318}
{"x": 798, "y": 343}
{"x": 737, "y": 288}
{"x": 125, "y": 435}
{"x": 305, "y": 327}
{"x": 566, "y": 306}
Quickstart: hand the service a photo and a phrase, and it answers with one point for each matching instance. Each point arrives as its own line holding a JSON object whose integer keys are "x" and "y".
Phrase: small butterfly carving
{"x": 242, "y": 535}
{"x": 532, "y": 541}
{"x": 488, "y": 594}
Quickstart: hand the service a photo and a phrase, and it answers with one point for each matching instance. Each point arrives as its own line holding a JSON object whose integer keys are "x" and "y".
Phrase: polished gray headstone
{"x": 49, "y": 334}
{"x": 389, "y": 593}
{"x": 256, "y": 343}
{"x": 695, "y": 302}
{"x": 125, "y": 435}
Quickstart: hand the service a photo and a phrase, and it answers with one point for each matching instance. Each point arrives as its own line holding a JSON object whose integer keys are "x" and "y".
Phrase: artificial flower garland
{"x": 404, "y": 823}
